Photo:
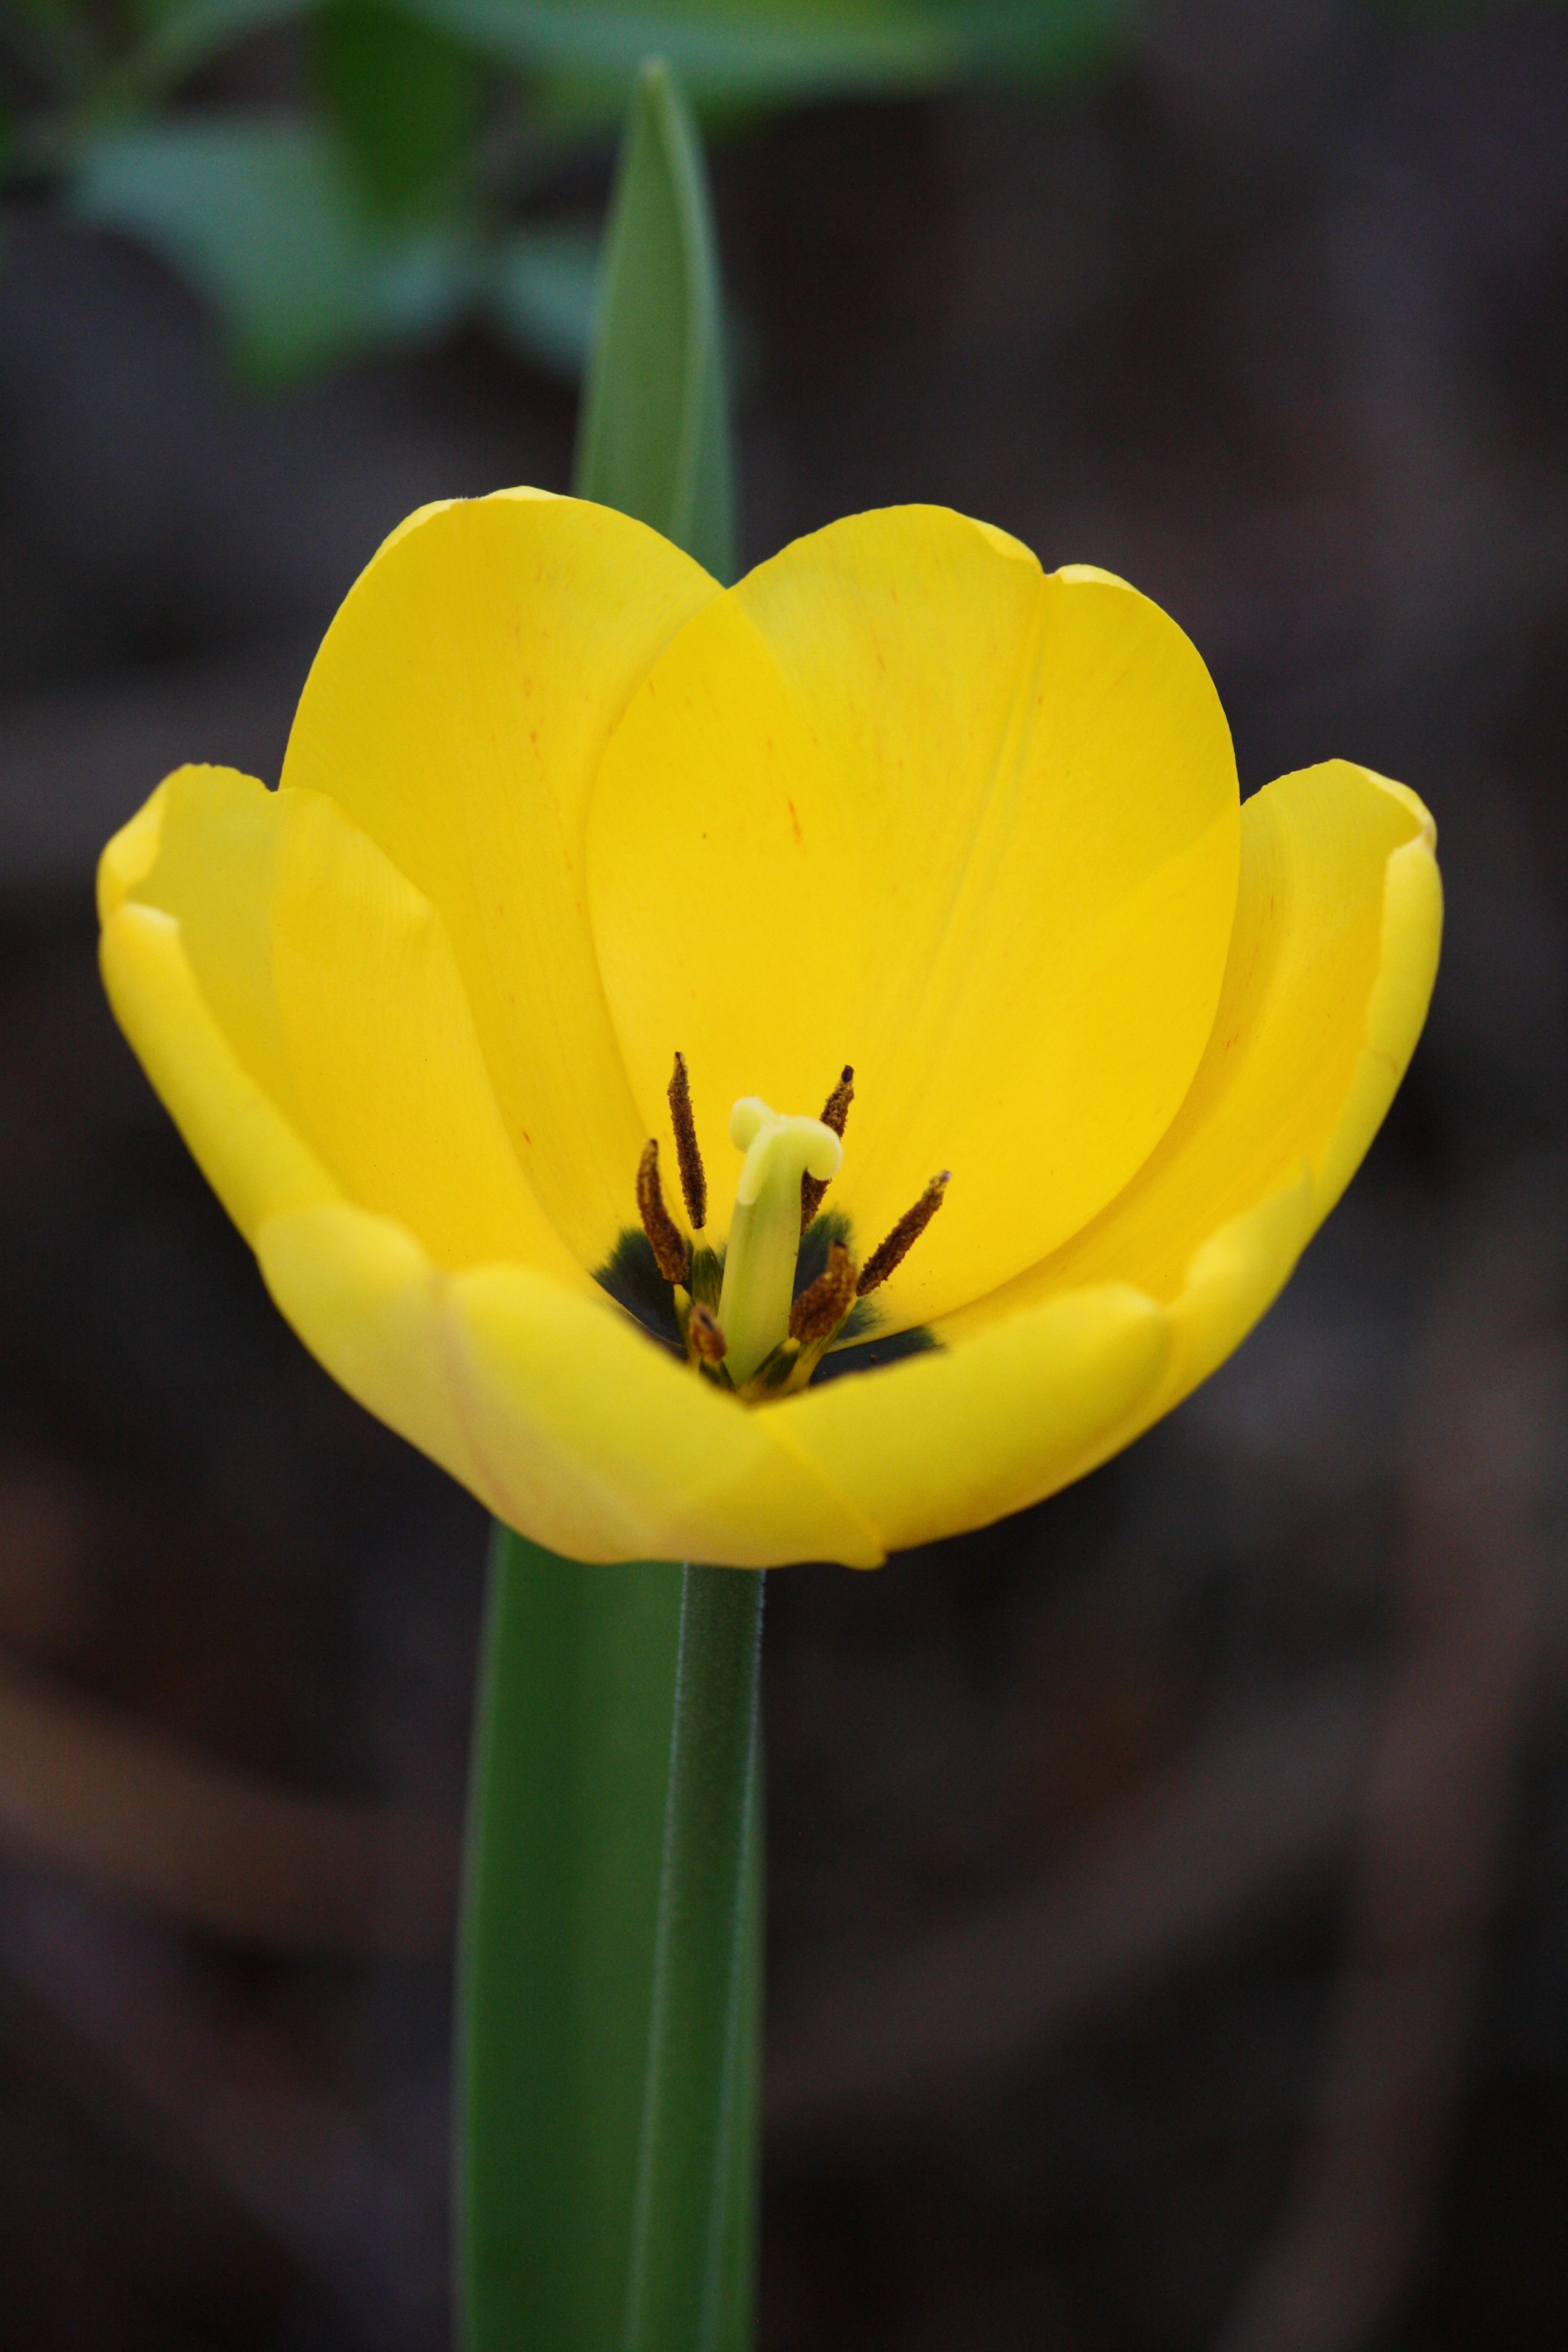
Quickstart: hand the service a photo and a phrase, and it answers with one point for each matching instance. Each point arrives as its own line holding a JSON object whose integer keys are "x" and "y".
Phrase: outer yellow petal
{"x": 944, "y": 1441}
{"x": 333, "y": 982}
{"x": 1332, "y": 960}
{"x": 1407, "y": 972}
{"x": 572, "y": 1425}
{"x": 130, "y": 856}
{"x": 902, "y": 800}
{"x": 543, "y": 1400}
{"x": 556, "y": 1412}
{"x": 245, "y": 1147}
{"x": 457, "y": 712}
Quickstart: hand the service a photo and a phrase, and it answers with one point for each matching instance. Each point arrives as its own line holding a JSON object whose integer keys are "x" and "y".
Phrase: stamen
{"x": 834, "y": 1111}
{"x": 819, "y": 1311}
{"x": 687, "y": 1153}
{"x": 703, "y": 1335}
{"x": 892, "y": 1252}
{"x": 671, "y": 1249}
{"x": 740, "y": 1325}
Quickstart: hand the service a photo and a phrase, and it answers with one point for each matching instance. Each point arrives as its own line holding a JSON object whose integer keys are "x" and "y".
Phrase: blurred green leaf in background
{"x": 543, "y": 286}
{"x": 403, "y": 97}
{"x": 776, "y": 52}
{"x": 405, "y": 182}
{"x": 263, "y": 218}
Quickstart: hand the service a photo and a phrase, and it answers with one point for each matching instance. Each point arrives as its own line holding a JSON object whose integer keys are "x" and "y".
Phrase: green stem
{"x": 560, "y": 1920}
{"x": 580, "y": 1870}
{"x": 692, "y": 2167}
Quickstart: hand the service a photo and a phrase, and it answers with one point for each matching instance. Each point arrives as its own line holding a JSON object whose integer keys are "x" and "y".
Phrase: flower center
{"x": 746, "y": 1322}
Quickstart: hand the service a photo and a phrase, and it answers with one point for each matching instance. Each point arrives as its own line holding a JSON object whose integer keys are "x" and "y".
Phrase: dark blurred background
{"x": 1169, "y": 1929}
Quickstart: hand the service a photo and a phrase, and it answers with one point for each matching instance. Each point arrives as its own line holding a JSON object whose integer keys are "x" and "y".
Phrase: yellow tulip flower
{"x": 556, "y": 807}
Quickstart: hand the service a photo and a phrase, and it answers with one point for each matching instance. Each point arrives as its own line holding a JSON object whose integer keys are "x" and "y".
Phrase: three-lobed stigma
{"x": 741, "y": 1322}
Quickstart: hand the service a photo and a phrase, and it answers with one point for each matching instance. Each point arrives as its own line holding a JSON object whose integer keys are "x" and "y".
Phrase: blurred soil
{"x": 1169, "y": 1929}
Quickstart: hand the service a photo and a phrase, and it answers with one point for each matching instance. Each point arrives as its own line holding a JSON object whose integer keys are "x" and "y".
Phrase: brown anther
{"x": 834, "y": 1111}
{"x": 819, "y": 1311}
{"x": 892, "y": 1252}
{"x": 687, "y": 1153}
{"x": 703, "y": 1335}
{"x": 672, "y": 1251}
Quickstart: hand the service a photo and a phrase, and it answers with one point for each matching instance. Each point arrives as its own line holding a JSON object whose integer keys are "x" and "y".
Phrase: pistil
{"x": 765, "y": 1233}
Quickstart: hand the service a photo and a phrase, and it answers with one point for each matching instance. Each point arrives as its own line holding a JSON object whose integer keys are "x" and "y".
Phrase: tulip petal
{"x": 457, "y": 712}
{"x": 332, "y": 981}
{"x": 903, "y": 801}
{"x": 567, "y": 1422}
{"x": 576, "y": 1428}
{"x": 246, "y": 1151}
{"x": 1334, "y": 953}
{"x": 950, "y": 1441}
{"x": 543, "y": 1399}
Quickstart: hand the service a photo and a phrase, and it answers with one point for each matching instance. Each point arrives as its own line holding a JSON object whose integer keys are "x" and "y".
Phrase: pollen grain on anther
{"x": 834, "y": 1111}
{"x": 819, "y": 1311}
{"x": 672, "y": 1251}
{"x": 892, "y": 1252}
{"x": 704, "y": 1336}
{"x": 688, "y": 1152}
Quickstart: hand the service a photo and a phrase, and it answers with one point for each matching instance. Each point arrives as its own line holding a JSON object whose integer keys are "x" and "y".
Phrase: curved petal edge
{"x": 564, "y": 1418}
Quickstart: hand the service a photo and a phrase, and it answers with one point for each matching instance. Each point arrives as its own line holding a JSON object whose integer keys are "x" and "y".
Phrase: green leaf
{"x": 566, "y": 1835}
{"x": 782, "y": 50}
{"x": 262, "y": 216}
{"x": 59, "y": 42}
{"x": 404, "y": 98}
{"x": 542, "y": 293}
{"x": 654, "y": 439}
{"x": 609, "y": 2017}
{"x": 186, "y": 35}
{"x": 725, "y": 51}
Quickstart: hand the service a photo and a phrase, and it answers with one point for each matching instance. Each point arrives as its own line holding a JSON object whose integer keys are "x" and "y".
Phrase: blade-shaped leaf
{"x": 655, "y": 439}
{"x": 571, "y": 1766}
{"x": 561, "y": 1912}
